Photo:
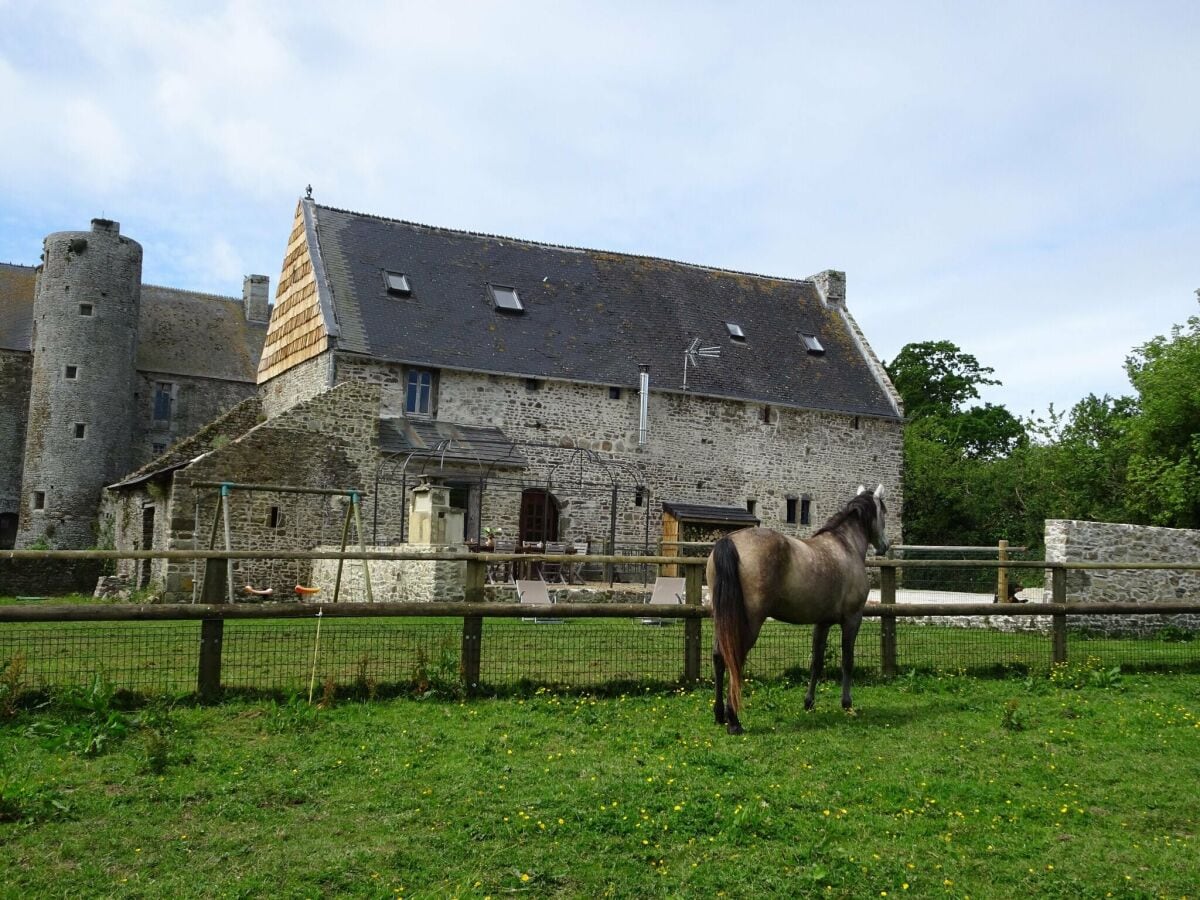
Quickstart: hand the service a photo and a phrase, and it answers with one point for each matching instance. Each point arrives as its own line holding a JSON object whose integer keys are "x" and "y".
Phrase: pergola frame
{"x": 459, "y": 460}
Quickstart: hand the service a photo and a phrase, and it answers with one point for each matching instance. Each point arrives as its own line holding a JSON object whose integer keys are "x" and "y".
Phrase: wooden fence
{"x": 475, "y": 609}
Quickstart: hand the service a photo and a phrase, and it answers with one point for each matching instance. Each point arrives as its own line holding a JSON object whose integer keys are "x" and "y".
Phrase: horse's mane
{"x": 861, "y": 509}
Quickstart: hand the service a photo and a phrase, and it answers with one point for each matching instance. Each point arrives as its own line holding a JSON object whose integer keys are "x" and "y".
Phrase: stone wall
{"x": 327, "y": 442}
{"x": 701, "y": 450}
{"x": 1075, "y": 541}
{"x": 16, "y": 369}
{"x": 392, "y": 580}
{"x": 197, "y": 402}
{"x": 48, "y": 577}
{"x": 297, "y": 384}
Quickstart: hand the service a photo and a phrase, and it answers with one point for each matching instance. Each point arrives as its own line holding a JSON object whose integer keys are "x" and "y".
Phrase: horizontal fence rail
{"x": 477, "y": 644}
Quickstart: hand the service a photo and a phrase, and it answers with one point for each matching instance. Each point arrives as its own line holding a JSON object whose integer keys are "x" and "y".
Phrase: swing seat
{"x": 305, "y": 591}
{"x": 258, "y": 592}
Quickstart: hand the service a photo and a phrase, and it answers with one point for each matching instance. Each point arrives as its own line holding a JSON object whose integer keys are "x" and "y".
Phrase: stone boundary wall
{"x": 392, "y": 580}
{"x": 1069, "y": 540}
{"x": 48, "y": 577}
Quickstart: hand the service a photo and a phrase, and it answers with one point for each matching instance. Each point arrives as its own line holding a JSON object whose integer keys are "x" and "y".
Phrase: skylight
{"x": 397, "y": 283}
{"x": 505, "y": 298}
{"x": 735, "y": 331}
{"x": 811, "y": 344}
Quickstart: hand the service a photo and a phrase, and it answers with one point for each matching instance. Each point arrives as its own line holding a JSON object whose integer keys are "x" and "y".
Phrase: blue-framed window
{"x": 418, "y": 394}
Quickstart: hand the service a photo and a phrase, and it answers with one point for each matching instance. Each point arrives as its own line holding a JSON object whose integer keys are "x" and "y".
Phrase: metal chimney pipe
{"x": 643, "y": 405}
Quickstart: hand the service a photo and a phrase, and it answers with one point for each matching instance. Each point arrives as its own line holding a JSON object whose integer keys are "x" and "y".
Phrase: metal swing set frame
{"x": 222, "y": 516}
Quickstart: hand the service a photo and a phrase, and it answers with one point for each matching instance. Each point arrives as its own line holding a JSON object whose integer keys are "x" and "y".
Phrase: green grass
{"x": 1078, "y": 784}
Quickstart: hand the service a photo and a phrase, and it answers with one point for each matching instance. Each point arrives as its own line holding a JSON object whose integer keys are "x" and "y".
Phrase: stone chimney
{"x": 256, "y": 291}
{"x": 831, "y": 285}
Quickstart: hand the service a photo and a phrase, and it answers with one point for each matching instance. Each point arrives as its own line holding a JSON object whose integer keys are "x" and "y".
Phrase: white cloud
{"x": 997, "y": 175}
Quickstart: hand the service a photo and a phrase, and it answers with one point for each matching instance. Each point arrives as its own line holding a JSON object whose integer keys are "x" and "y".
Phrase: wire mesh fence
{"x": 388, "y": 656}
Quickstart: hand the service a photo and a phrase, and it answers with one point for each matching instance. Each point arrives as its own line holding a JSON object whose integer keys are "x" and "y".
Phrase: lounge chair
{"x": 535, "y": 594}
{"x": 668, "y": 591}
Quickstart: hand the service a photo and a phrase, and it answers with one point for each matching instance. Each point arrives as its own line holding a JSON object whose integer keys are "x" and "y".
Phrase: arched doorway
{"x": 539, "y": 516}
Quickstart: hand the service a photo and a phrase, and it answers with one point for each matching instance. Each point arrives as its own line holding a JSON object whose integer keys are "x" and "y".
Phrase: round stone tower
{"x": 81, "y": 402}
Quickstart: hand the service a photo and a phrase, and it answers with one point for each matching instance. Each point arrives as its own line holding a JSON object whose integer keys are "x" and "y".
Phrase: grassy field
{"x": 1077, "y": 784}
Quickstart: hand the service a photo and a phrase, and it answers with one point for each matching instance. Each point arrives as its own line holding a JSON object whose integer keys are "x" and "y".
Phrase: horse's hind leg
{"x": 849, "y": 634}
{"x": 820, "y": 636}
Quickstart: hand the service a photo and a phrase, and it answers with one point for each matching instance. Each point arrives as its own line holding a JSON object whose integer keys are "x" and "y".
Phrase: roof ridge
{"x": 552, "y": 246}
{"x": 206, "y": 294}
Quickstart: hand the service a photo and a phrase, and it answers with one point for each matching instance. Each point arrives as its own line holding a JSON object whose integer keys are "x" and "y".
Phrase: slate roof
{"x": 179, "y": 332}
{"x": 430, "y": 439}
{"x": 693, "y": 512}
{"x": 590, "y": 315}
{"x": 202, "y": 335}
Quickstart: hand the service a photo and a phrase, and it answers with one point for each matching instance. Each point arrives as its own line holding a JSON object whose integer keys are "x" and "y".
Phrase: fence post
{"x": 691, "y": 627}
{"x": 887, "y": 624}
{"x": 472, "y": 636}
{"x": 1058, "y": 596}
{"x": 208, "y": 677}
{"x": 1002, "y": 573}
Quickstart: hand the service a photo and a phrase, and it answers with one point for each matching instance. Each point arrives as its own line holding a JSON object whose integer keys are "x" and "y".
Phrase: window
{"x": 158, "y": 447}
{"x": 533, "y": 384}
{"x": 614, "y": 393}
{"x": 418, "y": 396}
{"x": 735, "y": 332}
{"x": 751, "y": 506}
{"x": 855, "y": 424}
{"x": 274, "y": 518}
{"x": 71, "y": 373}
{"x": 791, "y": 510}
{"x": 805, "y": 511}
{"x": 80, "y": 429}
{"x": 397, "y": 283}
{"x": 767, "y": 415}
{"x": 163, "y": 400}
{"x": 811, "y": 344}
{"x": 505, "y": 298}
{"x": 39, "y": 499}
{"x": 85, "y": 309}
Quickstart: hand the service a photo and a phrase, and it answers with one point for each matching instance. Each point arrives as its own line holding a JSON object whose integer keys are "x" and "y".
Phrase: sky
{"x": 1022, "y": 179}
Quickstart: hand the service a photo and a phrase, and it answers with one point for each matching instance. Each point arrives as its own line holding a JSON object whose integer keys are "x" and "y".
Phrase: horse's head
{"x": 878, "y": 535}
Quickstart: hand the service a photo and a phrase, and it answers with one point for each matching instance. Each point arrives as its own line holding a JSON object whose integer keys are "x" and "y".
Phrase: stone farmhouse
{"x": 542, "y": 386}
{"x": 540, "y": 392}
{"x": 100, "y": 373}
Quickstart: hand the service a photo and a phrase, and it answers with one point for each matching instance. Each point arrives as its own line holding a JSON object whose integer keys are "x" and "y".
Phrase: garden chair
{"x": 668, "y": 591}
{"x": 501, "y": 573}
{"x": 555, "y": 571}
{"x": 534, "y": 593}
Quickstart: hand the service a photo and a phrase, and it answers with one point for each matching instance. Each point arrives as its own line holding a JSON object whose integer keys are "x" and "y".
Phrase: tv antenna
{"x": 694, "y": 353}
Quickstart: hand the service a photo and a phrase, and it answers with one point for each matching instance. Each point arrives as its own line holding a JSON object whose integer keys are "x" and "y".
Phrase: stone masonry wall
{"x": 392, "y": 581}
{"x": 197, "y": 402}
{"x": 701, "y": 450}
{"x": 16, "y": 369}
{"x": 297, "y": 384}
{"x": 1074, "y": 541}
{"x": 328, "y": 442}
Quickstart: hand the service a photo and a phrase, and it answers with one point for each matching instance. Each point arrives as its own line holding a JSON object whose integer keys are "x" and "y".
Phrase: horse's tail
{"x": 729, "y": 616}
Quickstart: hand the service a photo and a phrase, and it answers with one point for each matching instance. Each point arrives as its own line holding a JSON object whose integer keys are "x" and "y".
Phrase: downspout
{"x": 643, "y": 405}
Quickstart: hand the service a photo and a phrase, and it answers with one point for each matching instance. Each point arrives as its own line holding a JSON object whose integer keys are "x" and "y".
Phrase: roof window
{"x": 735, "y": 332}
{"x": 811, "y": 344}
{"x": 505, "y": 298}
{"x": 397, "y": 283}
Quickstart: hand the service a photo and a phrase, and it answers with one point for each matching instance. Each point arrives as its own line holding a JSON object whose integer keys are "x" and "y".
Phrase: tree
{"x": 936, "y": 378}
{"x": 1164, "y": 466}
